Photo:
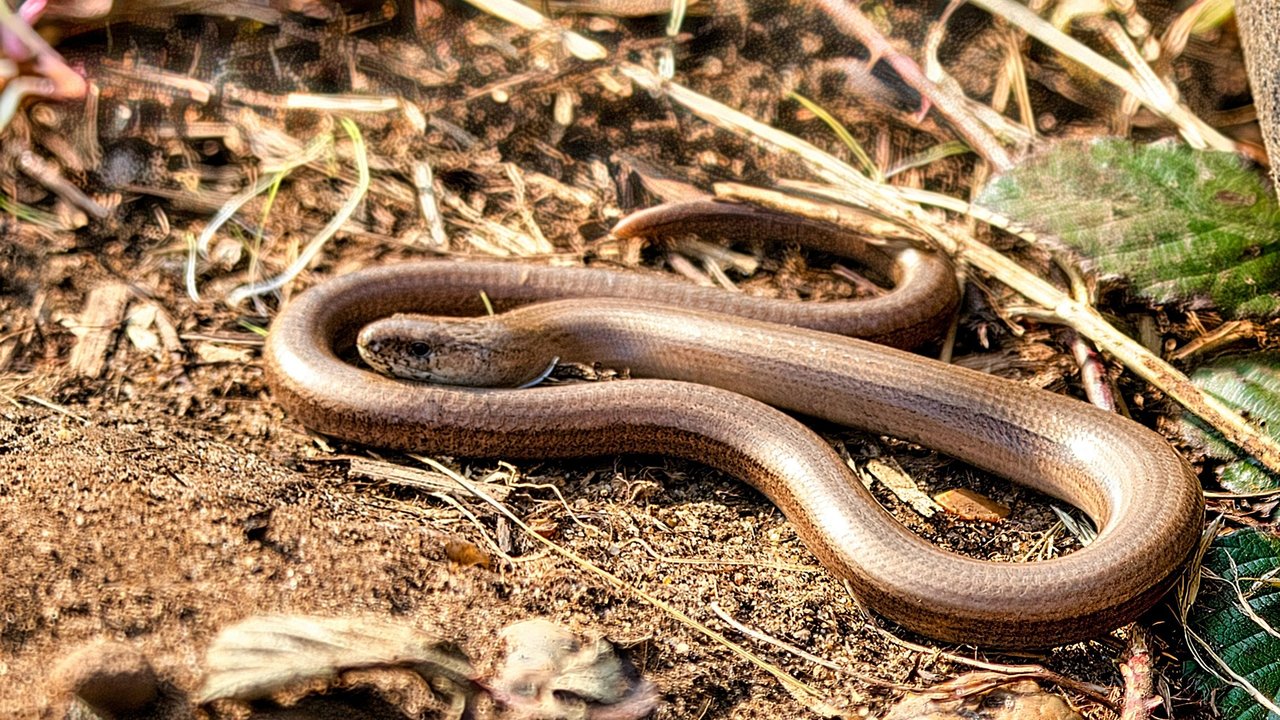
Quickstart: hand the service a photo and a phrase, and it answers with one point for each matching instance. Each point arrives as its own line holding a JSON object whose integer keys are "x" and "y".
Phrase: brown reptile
{"x": 719, "y": 374}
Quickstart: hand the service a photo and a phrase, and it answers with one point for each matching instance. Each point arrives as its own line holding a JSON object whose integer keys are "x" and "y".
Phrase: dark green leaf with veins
{"x": 1179, "y": 224}
{"x": 1249, "y": 384}
{"x": 1243, "y": 563}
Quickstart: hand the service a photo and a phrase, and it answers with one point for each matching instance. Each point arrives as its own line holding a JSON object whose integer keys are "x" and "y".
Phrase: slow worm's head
{"x": 477, "y": 352}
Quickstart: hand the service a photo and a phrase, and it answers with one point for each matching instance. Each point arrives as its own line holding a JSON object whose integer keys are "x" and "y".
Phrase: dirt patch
{"x": 140, "y": 525}
{"x": 157, "y": 496}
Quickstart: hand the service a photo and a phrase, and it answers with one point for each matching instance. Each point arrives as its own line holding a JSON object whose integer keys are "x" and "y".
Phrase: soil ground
{"x": 167, "y": 497}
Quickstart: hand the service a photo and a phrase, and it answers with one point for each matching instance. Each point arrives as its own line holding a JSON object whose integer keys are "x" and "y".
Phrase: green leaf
{"x": 1179, "y": 224}
{"x": 1249, "y": 384}
{"x": 1242, "y": 563}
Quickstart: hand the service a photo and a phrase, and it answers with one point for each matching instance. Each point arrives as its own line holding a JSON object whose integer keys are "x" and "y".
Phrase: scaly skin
{"x": 716, "y": 372}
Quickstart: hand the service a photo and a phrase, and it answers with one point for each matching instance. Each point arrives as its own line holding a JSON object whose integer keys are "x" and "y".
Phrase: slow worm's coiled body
{"x": 1144, "y": 498}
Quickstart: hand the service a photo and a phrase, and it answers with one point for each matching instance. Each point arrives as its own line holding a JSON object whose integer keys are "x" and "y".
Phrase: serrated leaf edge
{"x": 1236, "y": 680}
{"x": 1187, "y": 592}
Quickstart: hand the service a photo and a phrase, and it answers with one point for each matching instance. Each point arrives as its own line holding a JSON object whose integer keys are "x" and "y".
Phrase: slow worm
{"x": 715, "y": 378}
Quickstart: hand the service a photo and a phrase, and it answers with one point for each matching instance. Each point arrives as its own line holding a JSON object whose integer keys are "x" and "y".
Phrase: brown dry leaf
{"x": 971, "y": 505}
{"x": 1022, "y": 700}
{"x": 548, "y": 673}
{"x": 263, "y": 655}
{"x": 467, "y": 554}
{"x": 211, "y": 353}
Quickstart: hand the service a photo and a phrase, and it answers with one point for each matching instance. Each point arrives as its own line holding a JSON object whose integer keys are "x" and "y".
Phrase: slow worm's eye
{"x": 419, "y": 349}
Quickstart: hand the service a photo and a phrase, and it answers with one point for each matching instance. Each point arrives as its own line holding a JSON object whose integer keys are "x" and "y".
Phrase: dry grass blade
{"x": 1152, "y": 94}
{"x": 803, "y": 693}
{"x": 1094, "y": 692}
{"x": 1188, "y": 589}
{"x": 843, "y": 133}
{"x": 1243, "y": 602}
{"x": 56, "y": 408}
{"x": 764, "y": 638}
{"x": 852, "y": 188}
{"x": 1198, "y": 645}
{"x": 945, "y": 94}
{"x": 200, "y": 248}
{"x": 825, "y": 165}
{"x": 1081, "y": 317}
{"x": 526, "y": 17}
{"x": 242, "y": 293}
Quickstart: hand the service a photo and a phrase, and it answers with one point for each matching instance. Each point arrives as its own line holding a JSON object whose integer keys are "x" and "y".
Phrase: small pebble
{"x": 131, "y": 161}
